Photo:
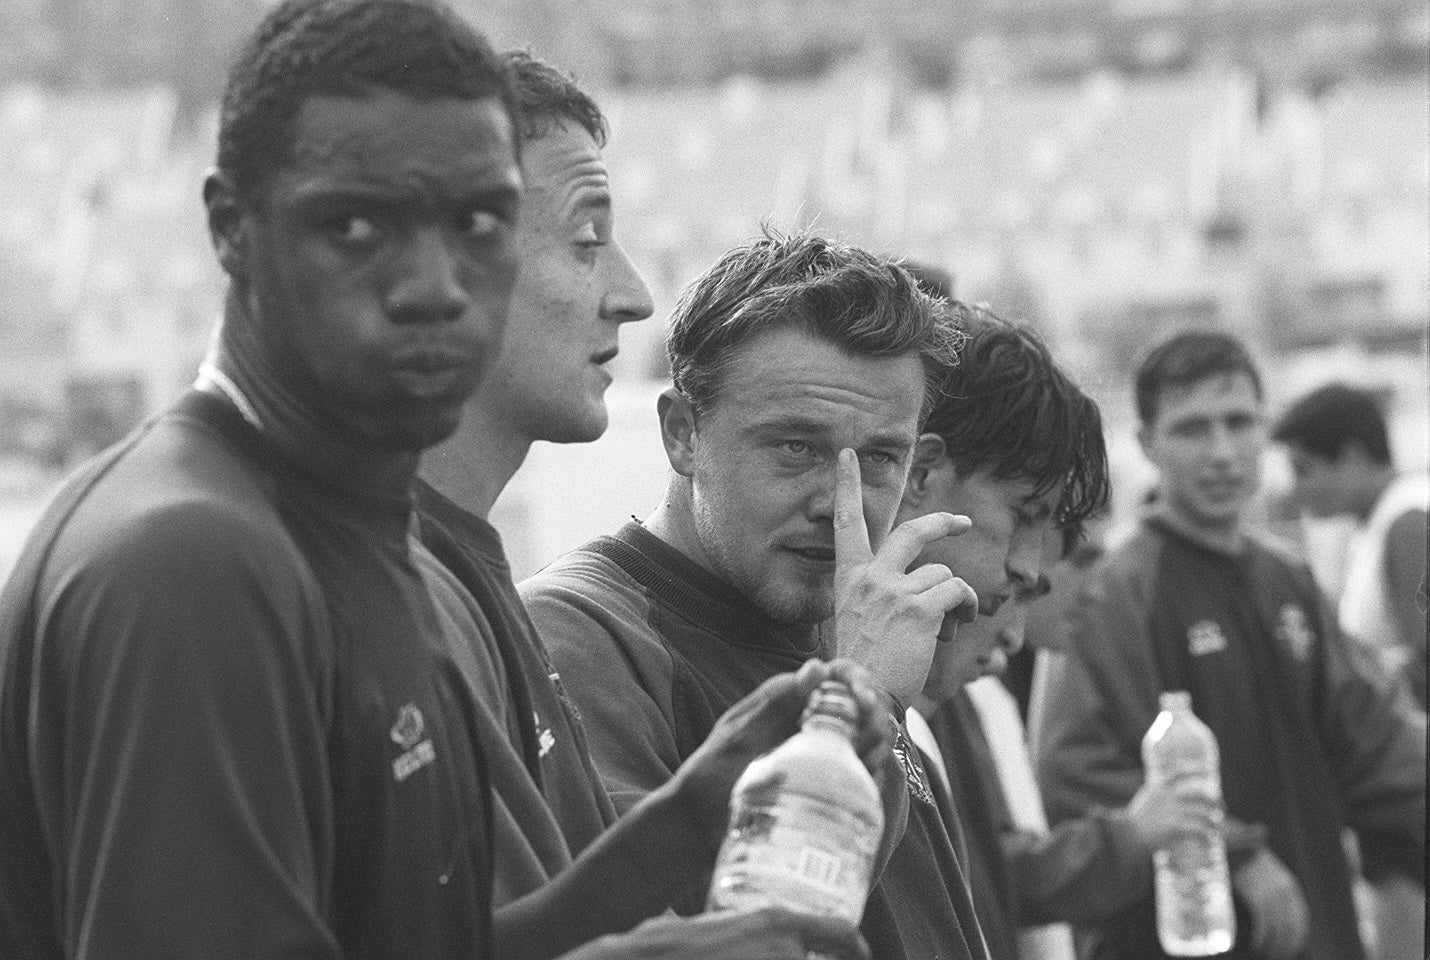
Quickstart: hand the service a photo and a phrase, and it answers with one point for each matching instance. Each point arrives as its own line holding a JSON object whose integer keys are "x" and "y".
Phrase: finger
{"x": 927, "y": 577}
{"x": 851, "y": 533}
{"x": 954, "y": 598}
{"x": 909, "y": 538}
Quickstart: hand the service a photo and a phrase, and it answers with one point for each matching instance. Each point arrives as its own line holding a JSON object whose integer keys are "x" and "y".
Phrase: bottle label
{"x": 801, "y": 854}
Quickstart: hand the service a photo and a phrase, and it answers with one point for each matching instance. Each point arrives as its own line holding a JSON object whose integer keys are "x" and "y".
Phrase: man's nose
{"x": 1025, "y": 563}
{"x": 427, "y": 286}
{"x": 628, "y": 298}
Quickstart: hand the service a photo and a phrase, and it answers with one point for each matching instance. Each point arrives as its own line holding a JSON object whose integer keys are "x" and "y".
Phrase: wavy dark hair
{"x": 1008, "y": 408}
{"x": 345, "y": 48}
{"x": 863, "y": 303}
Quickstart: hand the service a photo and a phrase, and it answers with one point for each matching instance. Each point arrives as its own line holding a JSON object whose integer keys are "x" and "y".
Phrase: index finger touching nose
{"x": 851, "y": 533}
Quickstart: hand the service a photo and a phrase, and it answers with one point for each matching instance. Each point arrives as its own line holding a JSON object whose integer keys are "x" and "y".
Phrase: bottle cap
{"x": 1176, "y": 700}
{"x": 832, "y": 698}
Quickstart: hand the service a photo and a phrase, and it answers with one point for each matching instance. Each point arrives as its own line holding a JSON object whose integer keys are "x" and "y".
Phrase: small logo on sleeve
{"x": 545, "y": 739}
{"x": 407, "y": 734}
{"x": 1204, "y": 637}
{"x": 1295, "y": 633}
{"x": 913, "y": 770}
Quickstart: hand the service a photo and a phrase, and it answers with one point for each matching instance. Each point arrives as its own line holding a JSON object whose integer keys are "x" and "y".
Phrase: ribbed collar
{"x": 384, "y": 510}
{"x": 702, "y": 597}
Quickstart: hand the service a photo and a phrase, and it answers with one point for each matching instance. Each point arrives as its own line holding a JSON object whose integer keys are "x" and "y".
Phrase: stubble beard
{"x": 785, "y": 606}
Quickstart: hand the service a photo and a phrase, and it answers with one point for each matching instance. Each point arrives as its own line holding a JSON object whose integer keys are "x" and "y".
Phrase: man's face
{"x": 1003, "y": 552}
{"x": 378, "y": 262}
{"x": 761, "y": 462}
{"x": 1321, "y": 485}
{"x": 1206, "y": 441}
{"x": 576, "y": 288}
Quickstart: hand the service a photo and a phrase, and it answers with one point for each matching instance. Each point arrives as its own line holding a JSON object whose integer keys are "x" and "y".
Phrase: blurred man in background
{"x": 1342, "y": 462}
{"x": 803, "y": 369}
{"x": 1341, "y": 458}
{"x": 1311, "y": 739}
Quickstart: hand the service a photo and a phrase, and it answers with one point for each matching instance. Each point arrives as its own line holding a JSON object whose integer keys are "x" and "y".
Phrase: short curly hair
{"x": 345, "y": 48}
{"x": 865, "y": 304}
{"x": 550, "y": 98}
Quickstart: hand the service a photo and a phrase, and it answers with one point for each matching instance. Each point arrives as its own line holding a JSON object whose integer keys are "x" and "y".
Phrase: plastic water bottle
{"x": 1195, "y": 917}
{"x": 805, "y": 820}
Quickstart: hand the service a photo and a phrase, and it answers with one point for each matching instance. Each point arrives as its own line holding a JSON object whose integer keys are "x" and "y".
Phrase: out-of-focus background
{"x": 1105, "y": 170}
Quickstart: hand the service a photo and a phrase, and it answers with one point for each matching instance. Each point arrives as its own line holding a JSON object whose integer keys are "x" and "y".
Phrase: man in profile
{"x": 1342, "y": 462}
{"x": 1311, "y": 742}
{"x": 560, "y": 875}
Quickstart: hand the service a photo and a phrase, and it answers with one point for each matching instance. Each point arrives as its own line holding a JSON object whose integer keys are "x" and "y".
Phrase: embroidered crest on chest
{"x": 1205, "y": 637}
{"x": 1293, "y": 631}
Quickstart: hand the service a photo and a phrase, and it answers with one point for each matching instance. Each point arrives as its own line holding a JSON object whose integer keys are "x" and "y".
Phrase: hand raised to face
{"x": 886, "y": 616}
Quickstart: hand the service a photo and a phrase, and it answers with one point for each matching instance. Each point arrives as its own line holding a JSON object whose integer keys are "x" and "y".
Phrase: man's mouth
{"x": 814, "y": 554}
{"x": 605, "y": 356}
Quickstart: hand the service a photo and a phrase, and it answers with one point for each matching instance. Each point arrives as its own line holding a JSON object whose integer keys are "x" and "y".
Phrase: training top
{"x": 654, "y": 649}
{"x": 230, "y": 723}
{"x": 548, "y": 801}
{"x": 1312, "y": 738}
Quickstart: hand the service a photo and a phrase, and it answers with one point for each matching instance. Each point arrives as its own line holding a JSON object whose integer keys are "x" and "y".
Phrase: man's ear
{"x": 227, "y": 224}
{"x": 928, "y": 451}
{"x": 677, "y": 430}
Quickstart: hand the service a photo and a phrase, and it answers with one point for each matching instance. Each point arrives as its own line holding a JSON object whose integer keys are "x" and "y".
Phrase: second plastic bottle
{"x": 1195, "y": 916}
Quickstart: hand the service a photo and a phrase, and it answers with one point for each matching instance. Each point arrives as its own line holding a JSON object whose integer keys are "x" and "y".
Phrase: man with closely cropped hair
{"x": 1312, "y": 739}
{"x": 1341, "y": 458}
{"x": 803, "y": 369}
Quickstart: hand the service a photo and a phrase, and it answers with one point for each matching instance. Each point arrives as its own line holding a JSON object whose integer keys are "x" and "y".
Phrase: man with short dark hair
{"x": 1341, "y": 459}
{"x": 230, "y": 722}
{"x": 1311, "y": 742}
{"x": 560, "y": 877}
{"x": 802, "y": 370}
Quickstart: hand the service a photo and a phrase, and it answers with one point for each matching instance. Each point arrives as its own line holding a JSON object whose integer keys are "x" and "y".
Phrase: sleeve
{"x": 182, "y": 698}
{"x": 1376, "y": 739}
{"x": 1095, "y": 697}
{"x": 619, "y": 676}
{"x": 1085, "y": 870}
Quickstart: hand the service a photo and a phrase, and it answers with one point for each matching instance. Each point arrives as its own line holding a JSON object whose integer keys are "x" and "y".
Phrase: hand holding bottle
{"x": 763, "y": 720}
{"x": 1161, "y": 811}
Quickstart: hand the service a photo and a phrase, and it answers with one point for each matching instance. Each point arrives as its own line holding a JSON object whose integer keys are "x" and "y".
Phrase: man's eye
{"x": 480, "y": 223}
{"x": 798, "y": 448}
{"x": 589, "y": 236}
{"x": 880, "y": 458}
{"x": 354, "y": 230}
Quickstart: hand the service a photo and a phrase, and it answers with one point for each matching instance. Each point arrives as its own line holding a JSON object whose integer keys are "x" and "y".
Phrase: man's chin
{"x": 795, "y": 608}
